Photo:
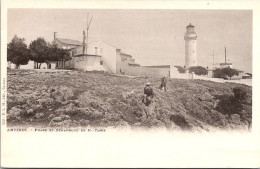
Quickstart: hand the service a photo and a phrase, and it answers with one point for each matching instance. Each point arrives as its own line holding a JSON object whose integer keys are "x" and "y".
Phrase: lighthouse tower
{"x": 190, "y": 46}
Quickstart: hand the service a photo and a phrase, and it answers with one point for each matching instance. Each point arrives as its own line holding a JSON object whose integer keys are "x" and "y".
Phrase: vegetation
{"x": 72, "y": 98}
{"x": 225, "y": 72}
{"x": 234, "y": 106}
{"x": 57, "y": 54}
{"x": 39, "y": 51}
{"x": 239, "y": 94}
{"x": 180, "y": 69}
{"x": 17, "y": 52}
{"x": 43, "y": 52}
{"x": 198, "y": 70}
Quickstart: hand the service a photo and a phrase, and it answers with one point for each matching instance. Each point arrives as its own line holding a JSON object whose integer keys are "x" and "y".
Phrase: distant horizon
{"x": 152, "y": 37}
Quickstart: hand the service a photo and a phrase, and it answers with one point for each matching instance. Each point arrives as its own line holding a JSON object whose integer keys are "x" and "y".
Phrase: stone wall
{"x": 145, "y": 71}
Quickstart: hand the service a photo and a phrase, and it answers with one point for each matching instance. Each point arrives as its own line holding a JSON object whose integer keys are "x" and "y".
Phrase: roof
{"x": 190, "y": 25}
{"x": 225, "y": 63}
{"x": 159, "y": 66}
{"x": 105, "y": 43}
{"x": 239, "y": 70}
{"x": 123, "y": 53}
{"x": 69, "y": 41}
{"x": 245, "y": 74}
{"x": 86, "y": 55}
{"x": 134, "y": 64}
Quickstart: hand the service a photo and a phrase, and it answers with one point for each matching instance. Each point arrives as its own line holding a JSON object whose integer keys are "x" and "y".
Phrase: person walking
{"x": 163, "y": 83}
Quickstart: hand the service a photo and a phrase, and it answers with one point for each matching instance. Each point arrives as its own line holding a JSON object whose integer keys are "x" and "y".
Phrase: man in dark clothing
{"x": 148, "y": 94}
{"x": 163, "y": 84}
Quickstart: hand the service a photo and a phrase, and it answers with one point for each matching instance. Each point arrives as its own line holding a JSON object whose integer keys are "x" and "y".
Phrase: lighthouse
{"x": 190, "y": 38}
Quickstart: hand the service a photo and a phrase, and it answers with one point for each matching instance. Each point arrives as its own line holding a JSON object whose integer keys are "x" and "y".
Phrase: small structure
{"x": 225, "y": 64}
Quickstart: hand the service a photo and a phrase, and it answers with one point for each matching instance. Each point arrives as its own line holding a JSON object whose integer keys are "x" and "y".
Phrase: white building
{"x": 190, "y": 46}
{"x": 95, "y": 56}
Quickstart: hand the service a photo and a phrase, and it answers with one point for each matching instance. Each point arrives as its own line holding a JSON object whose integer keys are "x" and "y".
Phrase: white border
{"x": 128, "y": 148}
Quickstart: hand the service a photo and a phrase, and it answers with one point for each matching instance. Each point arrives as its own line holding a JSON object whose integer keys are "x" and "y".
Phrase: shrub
{"x": 239, "y": 94}
{"x": 224, "y": 72}
{"x": 198, "y": 70}
{"x": 180, "y": 69}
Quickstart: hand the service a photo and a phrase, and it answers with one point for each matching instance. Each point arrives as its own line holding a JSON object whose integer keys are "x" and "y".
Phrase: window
{"x": 101, "y": 62}
{"x": 96, "y": 50}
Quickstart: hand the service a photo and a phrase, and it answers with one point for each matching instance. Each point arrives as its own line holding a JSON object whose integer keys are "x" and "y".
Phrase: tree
{"x": 230, "y": 72}
{"x": 180, "y": 69}
{"x": 44, "y": 52}
{"x": 39, "y": 51}
{"x": 17, "y": 52}
{"x": 198, "y": 70}
{"x": 224, "y": 72}
{"x": 57, "y": 54}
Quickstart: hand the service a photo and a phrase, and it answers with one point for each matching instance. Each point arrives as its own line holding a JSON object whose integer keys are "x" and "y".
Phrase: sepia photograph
{"x": 129, "y": 84}
{"x": 171, "y": 69}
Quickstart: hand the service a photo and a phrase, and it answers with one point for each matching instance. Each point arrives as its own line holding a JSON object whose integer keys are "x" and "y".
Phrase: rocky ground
{"x": 92, "y": 99}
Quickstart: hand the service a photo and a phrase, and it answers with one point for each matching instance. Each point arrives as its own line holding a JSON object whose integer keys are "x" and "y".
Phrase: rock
{"x": 37, "y": 107}
{"x": 57, "y": 119}
{"x": 66, "y": 117}
{"x": 29, "y": 112}
{"x": 14, "y": 112}
{"x": 215, "y": 104}
{"x": 61, "y": 93}
{"x": 223, "y": 122}
{"x": 45, "y": 102}
{"x": 51, "y": 116}
{"x": 39, "y": 115}
{"x": 66, "y": 123}
{"x": 235, "y": 118}
{"x": 83, "y": 122}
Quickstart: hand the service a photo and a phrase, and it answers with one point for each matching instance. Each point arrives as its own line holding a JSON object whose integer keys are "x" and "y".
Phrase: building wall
{"x": 190, "y": 53}
{"x": 175, "y": 74}
{"x": 31, "y": 65}
{"x": 89, "y": 63}
{"x": 224, "y": 66}
{"x": 107, "y": 52}
{"x": 145, "y": 71}
{"x": 121, "y": 66}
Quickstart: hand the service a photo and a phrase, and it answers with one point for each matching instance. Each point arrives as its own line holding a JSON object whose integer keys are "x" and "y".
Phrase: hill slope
{"x": 67, "y": 99}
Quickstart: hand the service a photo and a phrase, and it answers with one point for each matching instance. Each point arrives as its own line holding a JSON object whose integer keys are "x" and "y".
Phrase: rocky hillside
{"x": 72, "y": 99}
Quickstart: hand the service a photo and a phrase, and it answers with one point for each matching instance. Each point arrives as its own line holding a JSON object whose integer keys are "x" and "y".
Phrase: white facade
{"x": 190, "y": 47}
{"x": 101, "y": 56}
{"x": 224, "y": 65}
{"x": 30, "y": 65}
{"x": 107, "y": 53}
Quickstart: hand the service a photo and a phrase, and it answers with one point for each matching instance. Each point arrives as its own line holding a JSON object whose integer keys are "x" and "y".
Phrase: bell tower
{"x": 190, "y": 38}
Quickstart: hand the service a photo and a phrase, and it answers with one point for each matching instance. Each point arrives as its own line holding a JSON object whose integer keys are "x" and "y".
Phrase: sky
{"x": 152, "y": 37}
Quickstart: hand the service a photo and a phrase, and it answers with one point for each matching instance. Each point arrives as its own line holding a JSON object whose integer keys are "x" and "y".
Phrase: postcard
{"x": 130, "y": 84}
